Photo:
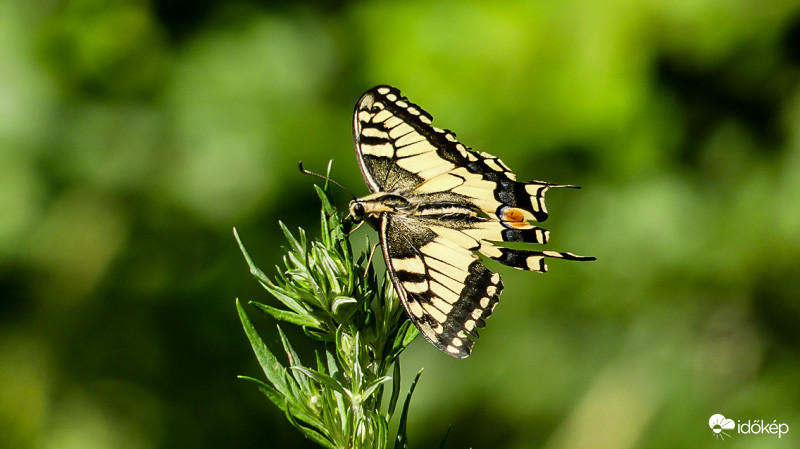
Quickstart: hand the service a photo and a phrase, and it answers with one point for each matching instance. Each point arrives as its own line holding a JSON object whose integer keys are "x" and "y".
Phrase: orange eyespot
{"x": 514, "y": 216}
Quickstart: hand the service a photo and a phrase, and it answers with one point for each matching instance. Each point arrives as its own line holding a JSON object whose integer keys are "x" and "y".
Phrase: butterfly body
{"x": 436, "y": 205}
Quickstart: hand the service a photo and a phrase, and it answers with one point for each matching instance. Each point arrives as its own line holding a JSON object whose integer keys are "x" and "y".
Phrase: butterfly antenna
{"x": 306, "y": 172}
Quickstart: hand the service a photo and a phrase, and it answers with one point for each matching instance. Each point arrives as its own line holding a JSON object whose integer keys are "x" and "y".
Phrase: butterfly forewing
{"x": 438, "y": 205}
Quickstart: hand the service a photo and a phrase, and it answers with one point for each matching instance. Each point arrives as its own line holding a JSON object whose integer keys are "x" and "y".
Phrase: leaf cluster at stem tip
{"x": 338, "y": 400}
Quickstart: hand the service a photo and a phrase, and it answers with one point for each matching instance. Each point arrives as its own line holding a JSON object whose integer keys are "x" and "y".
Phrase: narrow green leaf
{"x": 348, "y": 427}
{"x": 325, "y": 229}
{"x": 343, "y": 301}
{"x": 298, "y": 395}
{"x": 269, "y": 391}
{"x": 258, "y": 382}
{"x": 323, "y": 198}
{"x": 444, "y": 439}
{"x": 320, "y": 363}
{"x": 311, "y": 434}
{"x": 274, "y": 396}
{"x": 402, "y": 437}
{"x": 328, "y": 267}
{"x": 381, "y": 430}
{"x": 296, "y": 246}
{"x": 328, "y": 171}
{"x": 287, "y": 316}
{"x": 320, "y": 267}
{"x": 320, "y": 336}
{"x": 269, "y": 364}
{"x": 395, "y": 388}
{"x": 343, "y": 350}
{"x": 294, "y": 359}
{"x": 334, "y": 371}
{"x": 373, "y": 386}
{"x": 333, "y": 368}
{"x": 405, "y": 335}
{"x": 409, "y": 335}
{"x": 324, "y": 380}
{"x": 301, "y": 413}
{"x": 357, "y": 373}
{"x": 287, "y": 300}
{"x": 254, "y": 270}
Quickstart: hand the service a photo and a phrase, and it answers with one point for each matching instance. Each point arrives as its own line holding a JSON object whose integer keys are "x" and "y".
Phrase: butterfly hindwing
{"x": 444, "y": 287}
{"x": 438, "y": 205}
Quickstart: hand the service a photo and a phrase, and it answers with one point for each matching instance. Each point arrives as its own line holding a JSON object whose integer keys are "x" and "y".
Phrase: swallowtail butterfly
{"x": 436, "y": 204}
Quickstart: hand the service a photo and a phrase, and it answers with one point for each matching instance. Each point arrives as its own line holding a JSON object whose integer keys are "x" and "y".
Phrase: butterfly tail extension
{"x": 528, "y": 196}
{"x": 530, "y": 260}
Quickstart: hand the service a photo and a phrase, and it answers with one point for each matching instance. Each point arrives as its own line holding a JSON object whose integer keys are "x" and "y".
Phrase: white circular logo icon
{"x": 719, "y": 424}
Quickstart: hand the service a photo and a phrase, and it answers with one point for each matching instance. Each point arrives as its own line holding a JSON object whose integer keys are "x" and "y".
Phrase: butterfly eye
{"x": 358, "y": 210}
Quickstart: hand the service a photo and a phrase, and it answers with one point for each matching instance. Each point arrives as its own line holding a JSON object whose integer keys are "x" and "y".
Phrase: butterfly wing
{"x": 396, "y": 145}
{"x": 399, "y": 150}
{"x": 446, "y": 289}
{"x": 443, "y": 285}
{"x": 464, "y": 202}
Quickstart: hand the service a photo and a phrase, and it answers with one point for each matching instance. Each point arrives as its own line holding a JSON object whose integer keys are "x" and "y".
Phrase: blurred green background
{"x": 135, "y": 134}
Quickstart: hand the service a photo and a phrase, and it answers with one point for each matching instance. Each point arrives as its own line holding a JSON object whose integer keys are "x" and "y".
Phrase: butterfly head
{"x": 357, "y": 210}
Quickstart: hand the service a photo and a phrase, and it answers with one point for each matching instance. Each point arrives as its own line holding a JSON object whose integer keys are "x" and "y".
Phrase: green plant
{"x": 338, "y": 401}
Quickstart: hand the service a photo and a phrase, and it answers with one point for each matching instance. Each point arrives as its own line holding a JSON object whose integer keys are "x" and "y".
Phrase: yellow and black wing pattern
{"x": 438, "y": 204}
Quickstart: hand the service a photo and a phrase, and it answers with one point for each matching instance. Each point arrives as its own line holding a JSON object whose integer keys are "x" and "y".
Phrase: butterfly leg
{"x": 360, "y": 223}
{"x": 369, "y": 259}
